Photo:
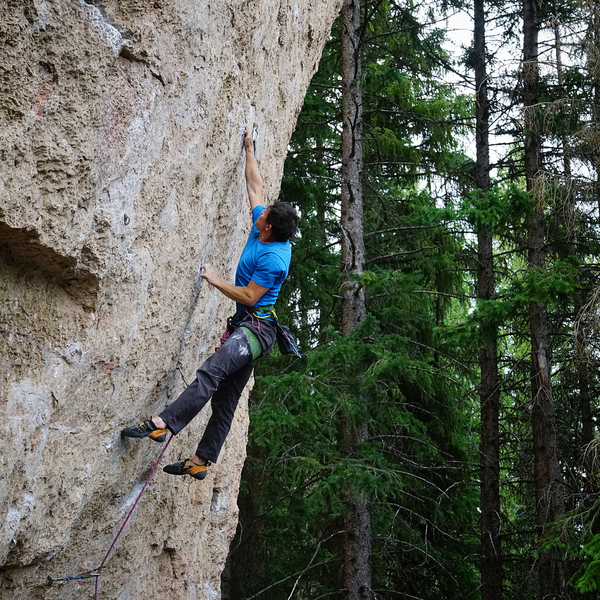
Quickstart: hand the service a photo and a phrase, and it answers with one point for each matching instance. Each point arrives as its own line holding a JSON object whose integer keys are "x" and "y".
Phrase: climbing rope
{"x": 99, "y": 569}
{"x": 97, "y": 573}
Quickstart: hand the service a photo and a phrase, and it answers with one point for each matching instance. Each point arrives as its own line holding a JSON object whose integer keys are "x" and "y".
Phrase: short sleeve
{"x": 256, "y": 212}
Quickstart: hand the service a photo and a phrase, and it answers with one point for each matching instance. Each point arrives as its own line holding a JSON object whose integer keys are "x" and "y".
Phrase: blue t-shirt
{"x": 265, "y": 264}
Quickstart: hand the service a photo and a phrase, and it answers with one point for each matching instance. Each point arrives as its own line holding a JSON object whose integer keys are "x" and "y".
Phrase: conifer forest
{"x": 438, "y": 440}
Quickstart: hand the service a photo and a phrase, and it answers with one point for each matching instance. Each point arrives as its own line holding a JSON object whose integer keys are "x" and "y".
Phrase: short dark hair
{"x": 283, "y": 219}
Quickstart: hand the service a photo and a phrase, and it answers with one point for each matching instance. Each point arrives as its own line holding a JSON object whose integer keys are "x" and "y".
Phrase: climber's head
{"x": 283, "y": 219}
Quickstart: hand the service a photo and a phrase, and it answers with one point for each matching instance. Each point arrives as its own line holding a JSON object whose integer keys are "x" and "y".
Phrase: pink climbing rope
{"x": 96, "y": 573}
{"x": 99, "y": 569}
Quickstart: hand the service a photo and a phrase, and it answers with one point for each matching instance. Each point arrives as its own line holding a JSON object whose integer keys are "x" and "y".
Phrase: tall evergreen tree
{"x": 357, "y": 513}
{"x": 547, "y": 476}
{"x": 489, "y": 387}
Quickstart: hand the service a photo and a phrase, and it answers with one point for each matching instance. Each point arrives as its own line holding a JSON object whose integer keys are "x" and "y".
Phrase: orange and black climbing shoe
{"x": 187, "y": 467}
{"x": 146, "y": 429}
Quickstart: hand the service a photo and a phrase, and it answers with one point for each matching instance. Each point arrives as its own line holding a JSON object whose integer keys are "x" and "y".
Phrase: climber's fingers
{"x": 207, "y": 272}
{"x": 247, "y": 137}
{"x": 250, "y": 136}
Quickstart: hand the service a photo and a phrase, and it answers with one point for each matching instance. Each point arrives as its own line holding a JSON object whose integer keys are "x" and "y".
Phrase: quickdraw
{"x": 88, "y": 575}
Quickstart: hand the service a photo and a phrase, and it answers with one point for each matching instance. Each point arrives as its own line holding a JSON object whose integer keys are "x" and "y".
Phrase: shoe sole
{"x": 159, "y": 435}
{"x": 198, "y": 472}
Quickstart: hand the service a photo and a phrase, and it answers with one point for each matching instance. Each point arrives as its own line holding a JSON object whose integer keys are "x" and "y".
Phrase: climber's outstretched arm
{"x": 254, "y": 182}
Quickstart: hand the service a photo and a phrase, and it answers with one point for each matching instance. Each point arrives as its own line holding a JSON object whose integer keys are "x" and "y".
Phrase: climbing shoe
{"x": 187, "y": 467}
{"x": 146, "y": 429}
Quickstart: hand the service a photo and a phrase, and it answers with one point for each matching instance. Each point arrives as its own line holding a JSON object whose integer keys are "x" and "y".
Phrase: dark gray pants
{"x": 223, "y": 377}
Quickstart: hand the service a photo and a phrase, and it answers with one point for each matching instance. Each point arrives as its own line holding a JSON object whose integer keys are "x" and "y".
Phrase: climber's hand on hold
{"x": 248, "y": 139}
{"x": 211, "y": 275}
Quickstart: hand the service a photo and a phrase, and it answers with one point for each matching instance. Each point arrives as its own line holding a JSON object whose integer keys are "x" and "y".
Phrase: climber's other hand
{"x": 211, "y": 275}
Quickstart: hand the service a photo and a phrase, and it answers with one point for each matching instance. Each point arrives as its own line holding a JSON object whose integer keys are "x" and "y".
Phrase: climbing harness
{"x": 285, "y": 339}
{"x": 234, "y": 323}
{"x": 97, "y": 573}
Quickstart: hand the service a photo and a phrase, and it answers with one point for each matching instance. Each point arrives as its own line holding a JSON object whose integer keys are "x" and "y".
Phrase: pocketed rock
{"x": 121, "y": 171}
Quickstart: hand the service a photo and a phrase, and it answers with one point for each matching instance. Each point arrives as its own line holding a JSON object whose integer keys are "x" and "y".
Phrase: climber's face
{"x": 261, "y": 222}
{"x": 265, "y": 234}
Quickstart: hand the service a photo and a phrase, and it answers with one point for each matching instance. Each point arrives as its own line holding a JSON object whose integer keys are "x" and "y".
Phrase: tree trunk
{"x": 353, "y": 245}
{"x": 357, "y": 515}
{"x": 489, "y": 389}
{"x": 587, "y": 416}
{"x": 547, "y": 477}
{"x": 321, "y": 211}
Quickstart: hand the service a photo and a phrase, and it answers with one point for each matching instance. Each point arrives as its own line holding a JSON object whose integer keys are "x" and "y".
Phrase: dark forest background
{"x": 438, "y": 440}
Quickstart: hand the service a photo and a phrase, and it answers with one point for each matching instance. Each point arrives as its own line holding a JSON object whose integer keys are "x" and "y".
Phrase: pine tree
{"x": 547, "y": 476}
{"x": 357, "y": 513}
{"x": 489, "y": 387}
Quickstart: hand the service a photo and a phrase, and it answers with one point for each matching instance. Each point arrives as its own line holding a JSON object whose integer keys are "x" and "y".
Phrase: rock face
{"x": 121, "y": 171}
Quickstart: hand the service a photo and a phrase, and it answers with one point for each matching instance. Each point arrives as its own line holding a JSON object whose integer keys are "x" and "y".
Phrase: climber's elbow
{"x": 254, "y": 293}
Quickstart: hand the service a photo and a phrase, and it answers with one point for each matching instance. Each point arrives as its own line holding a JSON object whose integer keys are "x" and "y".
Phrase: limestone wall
{"x": 121, "y": 170}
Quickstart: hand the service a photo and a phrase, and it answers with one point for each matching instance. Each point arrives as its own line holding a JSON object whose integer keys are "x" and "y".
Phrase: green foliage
{"x": 411, "y": 464}
{"x": 500, "y": 209}
{"x": 587, "y": 577}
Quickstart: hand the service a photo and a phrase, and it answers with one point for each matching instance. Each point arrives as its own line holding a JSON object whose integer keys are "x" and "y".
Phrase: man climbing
{"x": 262, "y": 268}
